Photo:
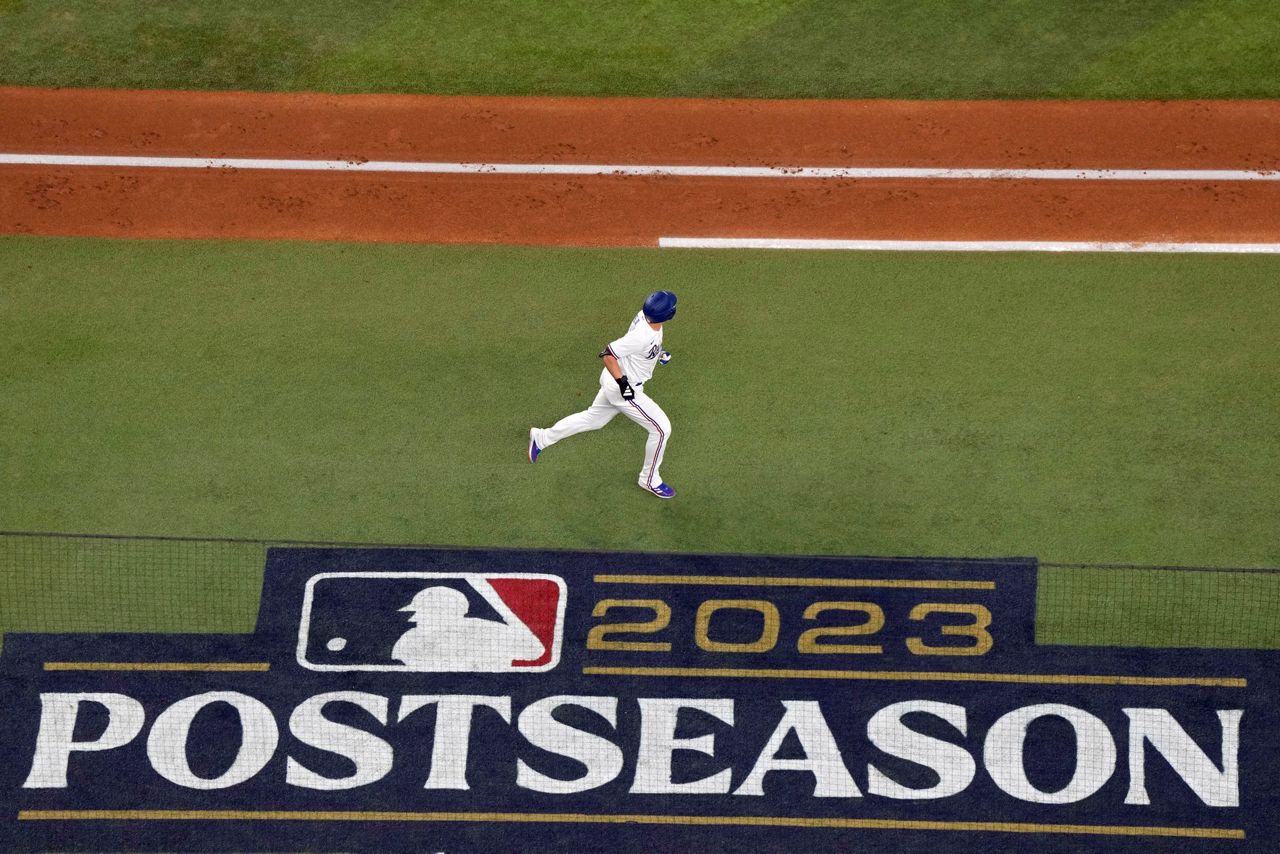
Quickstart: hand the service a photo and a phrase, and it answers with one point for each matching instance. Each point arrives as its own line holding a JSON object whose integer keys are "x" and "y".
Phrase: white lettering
{"x": 602, "y": 758}
{"x": 55, "y": 741}
{"x": 569, "y": 751}
{"x": 1095, "y": 754}
{"x": 821, "y": 754}
{"x": 1217, "y": 788}
{"x": 167, "y": 741}
{"x": 658, "y": 743}
{"x": 951, "y": 762}
{"x": 371, "y": 755}
{"x": 452, "y": 742}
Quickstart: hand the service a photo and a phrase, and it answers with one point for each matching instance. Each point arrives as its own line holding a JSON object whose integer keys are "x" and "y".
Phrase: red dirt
{"x": 621, "y": 211}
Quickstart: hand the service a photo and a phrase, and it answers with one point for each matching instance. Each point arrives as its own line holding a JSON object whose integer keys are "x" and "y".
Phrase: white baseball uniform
{"x": 637, "y": 354}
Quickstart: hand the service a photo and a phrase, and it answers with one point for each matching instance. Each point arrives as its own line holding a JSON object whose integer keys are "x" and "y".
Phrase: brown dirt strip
{"x": 621, "y": 211}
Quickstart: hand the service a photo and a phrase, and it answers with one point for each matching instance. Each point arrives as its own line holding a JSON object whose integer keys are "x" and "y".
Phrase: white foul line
{"x": 961, "y": 245}
{"x": 824, "y": 172}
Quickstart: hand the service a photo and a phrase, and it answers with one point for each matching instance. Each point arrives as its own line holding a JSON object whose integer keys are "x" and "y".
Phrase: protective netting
{"x": 1158, "y": 606}
{"x": 97, "y": 583}
{"x": 1114, "y": 738}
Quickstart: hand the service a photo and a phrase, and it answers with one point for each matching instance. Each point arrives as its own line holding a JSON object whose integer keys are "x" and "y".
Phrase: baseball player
{"x": 628, "y": 365}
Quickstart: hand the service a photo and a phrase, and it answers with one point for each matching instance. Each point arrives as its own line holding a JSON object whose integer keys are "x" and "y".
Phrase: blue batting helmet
{"x": 660, "y": 306}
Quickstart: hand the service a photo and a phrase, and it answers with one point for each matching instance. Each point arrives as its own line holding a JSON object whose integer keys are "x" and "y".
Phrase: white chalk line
{"x": 962, "y": 245}
{"x": 821, "y": 172}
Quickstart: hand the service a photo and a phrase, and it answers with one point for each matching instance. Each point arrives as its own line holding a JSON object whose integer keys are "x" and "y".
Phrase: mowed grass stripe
{"x": 1108, "y": 409}
{"x": 711, "y": 48}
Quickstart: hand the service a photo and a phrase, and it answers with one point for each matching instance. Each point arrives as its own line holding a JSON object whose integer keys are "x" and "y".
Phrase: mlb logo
{"x": 432, "y": 622}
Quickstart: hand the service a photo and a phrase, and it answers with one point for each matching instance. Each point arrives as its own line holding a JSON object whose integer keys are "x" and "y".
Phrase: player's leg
{"x": 595, "y": 416}
{"x": 649, "y": 415}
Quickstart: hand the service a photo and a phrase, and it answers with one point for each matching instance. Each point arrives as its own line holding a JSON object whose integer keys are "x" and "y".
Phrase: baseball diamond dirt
{"x": 280, "y": 201}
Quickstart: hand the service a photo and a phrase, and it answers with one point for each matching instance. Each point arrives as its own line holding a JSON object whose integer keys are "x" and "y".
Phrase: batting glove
{"x": 664, "y": 357}
{"x": 628, "y": 393}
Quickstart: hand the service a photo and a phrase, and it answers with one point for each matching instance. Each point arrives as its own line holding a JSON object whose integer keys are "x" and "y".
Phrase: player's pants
{"x": 608, "y": 403}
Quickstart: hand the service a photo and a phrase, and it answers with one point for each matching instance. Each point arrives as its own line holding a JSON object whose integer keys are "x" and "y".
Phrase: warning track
{"x": 627, "y": 172}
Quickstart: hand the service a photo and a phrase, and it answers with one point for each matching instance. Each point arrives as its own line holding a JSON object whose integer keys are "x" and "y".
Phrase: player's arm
{"x": 615, "y": 370}
{"x": 611, "y": 364}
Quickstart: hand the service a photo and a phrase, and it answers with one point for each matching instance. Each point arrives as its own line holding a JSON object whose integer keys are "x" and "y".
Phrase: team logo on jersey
{"x": 431, "y": 622}
{"x": 653, "y": 352}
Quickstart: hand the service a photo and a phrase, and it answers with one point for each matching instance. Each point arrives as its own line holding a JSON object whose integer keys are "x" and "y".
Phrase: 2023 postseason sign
{"x": 428, "y": 700}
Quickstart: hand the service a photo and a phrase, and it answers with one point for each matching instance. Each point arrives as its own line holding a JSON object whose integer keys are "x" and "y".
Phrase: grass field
{"x": 1100, "y": 409}
{"x": 1078, "y": 408}
{"x": 1087, "y": 408}
{"x": 748, "y": 48}
{"x": 1092, "y": 409}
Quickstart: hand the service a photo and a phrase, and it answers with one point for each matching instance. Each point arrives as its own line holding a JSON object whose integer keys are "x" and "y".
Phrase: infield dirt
{"x": 615, "y": 210}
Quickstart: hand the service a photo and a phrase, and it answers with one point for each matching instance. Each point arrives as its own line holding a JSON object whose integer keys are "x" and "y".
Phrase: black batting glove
{"x": 628, "y": 393}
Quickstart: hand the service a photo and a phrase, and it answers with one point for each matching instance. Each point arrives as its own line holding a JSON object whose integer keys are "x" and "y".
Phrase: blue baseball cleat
{"x": 661, "y": 490}
{"x": 534, "y": 450}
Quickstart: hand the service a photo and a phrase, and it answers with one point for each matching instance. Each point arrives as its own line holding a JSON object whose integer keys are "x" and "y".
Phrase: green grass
{"x": 751, "y": 48}
{"x": 1085, "y": 408}
{"x": 1150, "y": 607}
{"x": 1077, "y": 408}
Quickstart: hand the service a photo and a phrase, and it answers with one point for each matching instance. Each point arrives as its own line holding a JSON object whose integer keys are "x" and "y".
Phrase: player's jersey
{"x": 636, "y": 352}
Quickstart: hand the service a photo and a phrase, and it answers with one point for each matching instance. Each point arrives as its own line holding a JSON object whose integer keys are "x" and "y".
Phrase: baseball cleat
{"x": 534, "y": 450}
{"x": 661, "y": 490}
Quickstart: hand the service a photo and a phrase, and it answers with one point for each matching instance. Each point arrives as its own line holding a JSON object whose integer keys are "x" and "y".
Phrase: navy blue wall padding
{"x": 364, "y": 613}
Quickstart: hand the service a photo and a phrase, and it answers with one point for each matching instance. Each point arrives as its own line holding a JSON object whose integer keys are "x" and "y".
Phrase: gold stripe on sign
{"x": 584, "y": 818}
{"x": 923, "y": 676}
{"x": 208, "y": 666}
{"x": 765, "y": 581}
